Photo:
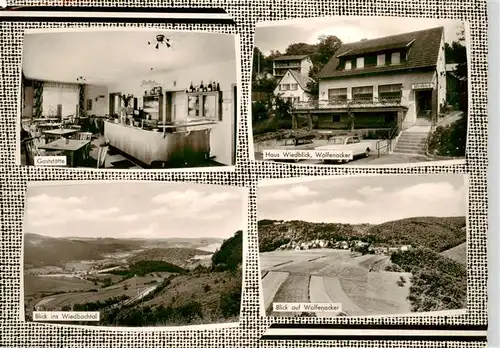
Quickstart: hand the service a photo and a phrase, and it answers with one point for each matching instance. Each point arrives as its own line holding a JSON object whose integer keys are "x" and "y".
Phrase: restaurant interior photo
{"x": 129, "y": 99}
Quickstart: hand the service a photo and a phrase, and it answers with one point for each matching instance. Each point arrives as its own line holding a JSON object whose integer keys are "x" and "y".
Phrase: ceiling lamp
{"x": 81, "y": 79}
{"x": 160, "y": 40}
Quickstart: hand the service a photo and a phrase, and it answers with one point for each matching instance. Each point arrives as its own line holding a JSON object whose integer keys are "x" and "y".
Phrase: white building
{"x": 293, "y": 87}
{"x": 298, "y": 63}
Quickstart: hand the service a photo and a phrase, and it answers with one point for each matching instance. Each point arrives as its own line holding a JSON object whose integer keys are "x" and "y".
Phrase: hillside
{"x": 176, "y": 256}
{"x": 230, "y": 254}
{"x": 457, "y": 254}
{"x": 42, "y": 251}
{"x": 272, "y": 236}
{"x": 436, "y": 233}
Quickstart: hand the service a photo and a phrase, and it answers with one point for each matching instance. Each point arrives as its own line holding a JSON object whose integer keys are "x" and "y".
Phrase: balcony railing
{"x": 348, "y": 103}
{"x": 284, "y": 66}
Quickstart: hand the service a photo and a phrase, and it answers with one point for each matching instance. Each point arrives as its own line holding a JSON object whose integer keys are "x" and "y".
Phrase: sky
{"x": 348, "y": 29}
{"x": 365, "y": 199}
{"x": 135, "y": 210}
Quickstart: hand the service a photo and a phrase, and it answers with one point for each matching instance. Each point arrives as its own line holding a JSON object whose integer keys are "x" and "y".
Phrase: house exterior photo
{"x": 399, "y": 79}
{"x": 299, "y": 63}
{"x": 293, "y": 87}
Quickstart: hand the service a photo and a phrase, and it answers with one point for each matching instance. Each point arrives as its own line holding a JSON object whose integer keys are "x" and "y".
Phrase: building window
{"x": 381, "y": 59}
{"x": 348, "y": 65}
{"x": 360, "y": 63}
{"x": 390, "y": 92}
{"x": 370, "y": 60}
{"x": 337, "y": 95}
{"x": 293, "y": 99}
{"x": 294, "y": 87}
{"x": 362, "y": 93}
{"x": 284, "y": 87}
{"x": 336, "y": 118}
{"x": 390, "y": 118}
{"x": 60, "y": 99}
{"x": 395, "y": 58}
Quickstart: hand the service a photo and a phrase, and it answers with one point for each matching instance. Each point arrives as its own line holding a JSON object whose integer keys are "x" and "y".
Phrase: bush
{"x": 230, "y": 303}
{"x": 207, "y": 288}
{"x": 449, "y": 140}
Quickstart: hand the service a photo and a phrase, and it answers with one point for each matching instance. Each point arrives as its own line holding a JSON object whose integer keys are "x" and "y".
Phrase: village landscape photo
{"x": 371, "y": 245}
{"x": 386, "y": 90}
{"x": 139, "y": 253}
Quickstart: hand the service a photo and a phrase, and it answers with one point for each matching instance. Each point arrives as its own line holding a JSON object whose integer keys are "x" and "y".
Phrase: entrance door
{"x": 424, "y": 103}
{"x": 168, "y": 107}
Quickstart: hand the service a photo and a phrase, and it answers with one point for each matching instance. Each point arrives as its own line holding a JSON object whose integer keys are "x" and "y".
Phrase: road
{"x": 358, "y": 283}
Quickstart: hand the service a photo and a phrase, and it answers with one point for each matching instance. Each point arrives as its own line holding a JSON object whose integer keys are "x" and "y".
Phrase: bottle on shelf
{"x": 191, "y": 88}
{"x": 209, "y": 89}
{"x": 218, "y": 87}
{"x": 201, "y": 87}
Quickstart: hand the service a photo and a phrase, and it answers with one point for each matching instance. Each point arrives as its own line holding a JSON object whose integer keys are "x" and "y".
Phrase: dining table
{"x": 49, "y": 125}
{"x": 72, "y": 148}
{"x": 53, "y": 134}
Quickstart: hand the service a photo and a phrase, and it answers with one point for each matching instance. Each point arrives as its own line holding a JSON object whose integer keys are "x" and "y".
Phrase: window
{"x": 360, "y": 63}
{"x": 362, "y": 93}
{"x": 294, "y": 87}
{"x": 395, "y": 58}
{"x": 337, "y": 94}
{"x": 390, "y": 92}
{"x": 355, "y": 140}
{"x": 348, "y": 65}
{"x": 370, "y": 60}
{"x": 381, "y": 59}
{"x": 284, "y": 87}
{"x": 349, "y": 141}
{"x": 60, "y": 98}
{"x": 335, "y": 118}
{"x": 390, "y": 118}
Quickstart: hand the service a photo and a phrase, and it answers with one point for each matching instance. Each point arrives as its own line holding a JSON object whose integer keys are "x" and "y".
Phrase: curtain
{"x": 81, "y": 100}
{"x": 59, "y": 95}
{"x": 37, "y": 99}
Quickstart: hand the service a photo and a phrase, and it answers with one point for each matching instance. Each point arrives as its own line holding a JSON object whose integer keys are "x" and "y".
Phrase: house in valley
{"x": 394, "y": 80}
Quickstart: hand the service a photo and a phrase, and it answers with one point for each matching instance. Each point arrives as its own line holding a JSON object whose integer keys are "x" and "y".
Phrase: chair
{"x": 83, "y": 136}
{"x": 31, "y": 150}
{"x": 87, "y": 136}
{"x": 101, "y": 157}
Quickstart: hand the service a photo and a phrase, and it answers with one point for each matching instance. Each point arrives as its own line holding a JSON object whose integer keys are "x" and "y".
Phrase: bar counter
{"x": 182, "y": 143}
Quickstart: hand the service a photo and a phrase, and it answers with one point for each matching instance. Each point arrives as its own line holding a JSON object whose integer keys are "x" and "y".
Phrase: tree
{"x": 327, "y": 46}
{"x": 300, "y": 48}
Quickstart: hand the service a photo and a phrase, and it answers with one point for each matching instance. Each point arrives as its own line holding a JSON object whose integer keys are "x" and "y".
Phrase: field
{"x": 458, "y": 253}
{"x": 357, "y": 282}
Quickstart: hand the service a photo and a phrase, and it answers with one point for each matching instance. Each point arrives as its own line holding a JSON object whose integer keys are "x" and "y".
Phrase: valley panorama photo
{"x": 137, "y": 253}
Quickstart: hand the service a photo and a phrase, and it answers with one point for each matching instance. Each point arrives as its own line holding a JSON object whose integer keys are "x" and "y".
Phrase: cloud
{"x": 375, "y": 203}
{"x": 368, "y": 190}
{"x": 191, "y": 202}
{"x": 46, "y": 200}
{"x": 299, "y": 191}
{"x": 429, "y": 192}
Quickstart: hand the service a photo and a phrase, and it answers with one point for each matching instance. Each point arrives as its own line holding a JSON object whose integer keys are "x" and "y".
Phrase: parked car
{"x": 348, "y": 144}
{"x": 296, "y": 143}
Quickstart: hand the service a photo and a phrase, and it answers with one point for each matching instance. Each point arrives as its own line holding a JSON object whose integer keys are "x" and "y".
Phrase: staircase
{"x": 412, "y": 141}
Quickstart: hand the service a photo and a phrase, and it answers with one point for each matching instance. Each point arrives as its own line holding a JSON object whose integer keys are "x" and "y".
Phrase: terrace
{"x": 345, "y": 104}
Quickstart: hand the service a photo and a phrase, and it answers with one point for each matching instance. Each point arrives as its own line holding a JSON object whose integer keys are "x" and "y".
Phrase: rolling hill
{"x": 176, "y": 256}
{"x": 435, "y": 233}
{"x": 457, "y": 254}
{"x": 42, "y": 251}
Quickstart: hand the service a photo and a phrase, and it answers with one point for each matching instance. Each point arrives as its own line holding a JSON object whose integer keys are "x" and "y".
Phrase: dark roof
{"x": 302, "y": 80}
{"x": 424, "y": 50}
{"x": 292, "y": 57}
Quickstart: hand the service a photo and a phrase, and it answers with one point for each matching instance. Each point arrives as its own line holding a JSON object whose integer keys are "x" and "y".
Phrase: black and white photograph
{"x": 360, "y": 90}
{"x": 128, "y": 98}
{"x": 375, "y": 245}
{"x": 133, "y": 254}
